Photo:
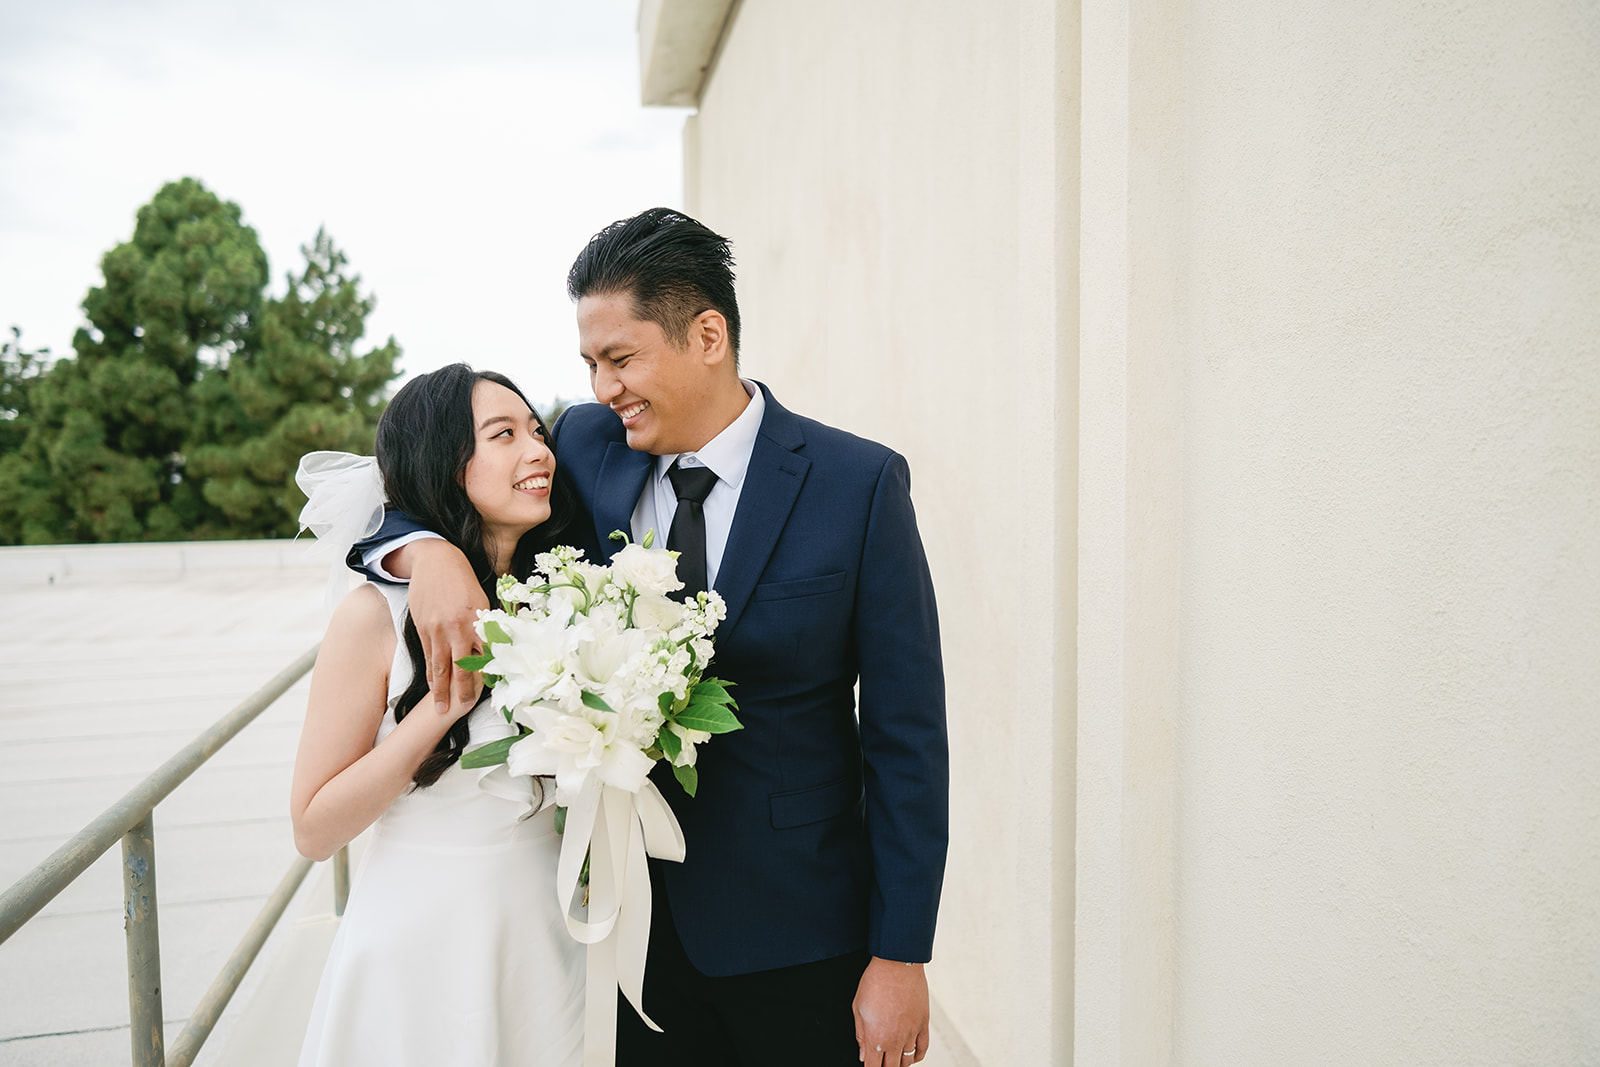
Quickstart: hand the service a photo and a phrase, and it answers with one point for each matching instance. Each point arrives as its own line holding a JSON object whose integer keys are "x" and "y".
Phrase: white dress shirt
{"x": 728, "y": 456}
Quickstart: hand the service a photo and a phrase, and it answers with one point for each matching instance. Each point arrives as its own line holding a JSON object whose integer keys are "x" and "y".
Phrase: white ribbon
{"x": 344, "y": 504}
{"x": 617, "y": 830}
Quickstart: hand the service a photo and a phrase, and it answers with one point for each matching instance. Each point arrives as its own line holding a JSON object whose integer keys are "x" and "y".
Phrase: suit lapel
{"x": 771, "y": 485}
{"x": 622, "y": 476}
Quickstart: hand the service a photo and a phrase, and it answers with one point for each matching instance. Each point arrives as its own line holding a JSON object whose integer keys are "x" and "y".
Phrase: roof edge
{"x": 678, "y": 45}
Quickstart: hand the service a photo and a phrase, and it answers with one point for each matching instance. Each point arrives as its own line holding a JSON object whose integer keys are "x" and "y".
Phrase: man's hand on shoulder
{"x": 445, "y": 598}
{"x": 891, "y": 1009}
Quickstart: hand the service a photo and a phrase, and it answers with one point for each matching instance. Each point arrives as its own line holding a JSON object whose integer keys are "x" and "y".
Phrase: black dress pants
{"x": 788, "y": 1017}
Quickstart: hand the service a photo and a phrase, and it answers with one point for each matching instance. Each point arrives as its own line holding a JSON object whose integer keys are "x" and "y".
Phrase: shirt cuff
{"x": 373, "y": 557}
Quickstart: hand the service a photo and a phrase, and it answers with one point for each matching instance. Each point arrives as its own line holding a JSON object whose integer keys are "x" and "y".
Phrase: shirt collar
{"x": 728, "y": 453}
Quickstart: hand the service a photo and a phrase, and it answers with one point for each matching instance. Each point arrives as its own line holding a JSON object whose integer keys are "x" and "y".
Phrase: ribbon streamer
{"x": 617, "y": 830}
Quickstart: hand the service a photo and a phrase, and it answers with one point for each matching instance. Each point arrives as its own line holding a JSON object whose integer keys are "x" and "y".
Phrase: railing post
{"x": 341, "y": 879}
{"x": 144, "y": 943}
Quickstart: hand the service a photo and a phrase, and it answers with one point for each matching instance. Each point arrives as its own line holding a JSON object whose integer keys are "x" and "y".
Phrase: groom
{"x": 796, "y": 929}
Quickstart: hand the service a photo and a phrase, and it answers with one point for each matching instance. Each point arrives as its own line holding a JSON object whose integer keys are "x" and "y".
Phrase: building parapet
{"x": 678, "y": 44}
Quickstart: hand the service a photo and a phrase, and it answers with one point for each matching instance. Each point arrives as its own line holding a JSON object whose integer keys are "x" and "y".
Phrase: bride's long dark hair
{"x": 425, "y": 439}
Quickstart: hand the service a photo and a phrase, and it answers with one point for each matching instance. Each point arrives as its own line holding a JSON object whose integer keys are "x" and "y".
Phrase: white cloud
{"x": 459, "y": 156}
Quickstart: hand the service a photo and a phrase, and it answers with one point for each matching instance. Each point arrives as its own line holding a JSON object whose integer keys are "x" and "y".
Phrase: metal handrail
{"x": 130, "y": 821}
{"x": 210, "y": 1008}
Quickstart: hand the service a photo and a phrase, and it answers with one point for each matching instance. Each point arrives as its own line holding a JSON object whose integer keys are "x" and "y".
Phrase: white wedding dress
{"x": 452, "y": 952}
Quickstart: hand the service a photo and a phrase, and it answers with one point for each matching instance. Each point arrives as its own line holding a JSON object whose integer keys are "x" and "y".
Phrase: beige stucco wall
{"x": 1247, "y": 356}
{"x": 1381, "y": 264}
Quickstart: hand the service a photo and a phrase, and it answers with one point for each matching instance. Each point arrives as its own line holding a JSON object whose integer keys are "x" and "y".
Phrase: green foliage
{"x": 489, "y": 755}
{"x": 302, "y": 387}
{"x": 19, "y": 372}
{"x": 194, "y": 393}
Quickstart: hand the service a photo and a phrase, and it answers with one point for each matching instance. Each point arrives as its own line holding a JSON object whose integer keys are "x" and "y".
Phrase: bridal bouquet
{"x": 602, "y": 671}
{"x": 604, "y": 674}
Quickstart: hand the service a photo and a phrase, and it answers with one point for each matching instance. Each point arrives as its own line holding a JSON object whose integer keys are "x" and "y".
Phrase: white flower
{"x": 714, "y": 610}
{"x": 689, "y": 739}
{"x": 567, "y": 601}
{"x": 599, "y": 663}
{"x": 571, "y": 747}
{"x": 532, "y": 663}
{"x": 625, "y": 767}
{"x": 530, "y": 756}
{"x": 591, "y": 653}
{"x": 649, "y": 570}
{"x": 651, "y": 611}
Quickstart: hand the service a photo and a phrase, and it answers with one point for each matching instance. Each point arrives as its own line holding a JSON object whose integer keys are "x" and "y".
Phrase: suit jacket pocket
{"x": 826, "y": 583}
{"x": 798, "y": 807}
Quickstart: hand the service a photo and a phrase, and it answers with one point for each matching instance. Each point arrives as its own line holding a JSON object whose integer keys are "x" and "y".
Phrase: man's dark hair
{"x": 672, "y": 266}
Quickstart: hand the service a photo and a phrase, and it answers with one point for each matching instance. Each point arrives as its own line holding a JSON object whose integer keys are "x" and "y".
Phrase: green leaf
{"x": 712, "y": 691}
{"x": 491, "y": 755}
{"x": 671, "y": 744}
{"x": 594, "y": 701}
{"x": 474, "y": 663}
{"x": 561, "y": 819}
{"x": 687, "y": 777}
{"x": 712, "y": 718}
{"x": 665, "y": 700}
{"x": 495, "y": 633}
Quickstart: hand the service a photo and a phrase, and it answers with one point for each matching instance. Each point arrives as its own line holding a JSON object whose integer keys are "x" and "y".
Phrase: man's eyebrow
{"x": 605, "y": 352}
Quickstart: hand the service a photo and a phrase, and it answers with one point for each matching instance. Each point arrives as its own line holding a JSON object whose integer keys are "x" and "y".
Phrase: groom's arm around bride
{"x": 796, "y": 929}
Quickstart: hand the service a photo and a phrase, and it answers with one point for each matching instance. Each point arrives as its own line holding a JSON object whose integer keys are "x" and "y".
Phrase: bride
{"x": 451, "y": 949}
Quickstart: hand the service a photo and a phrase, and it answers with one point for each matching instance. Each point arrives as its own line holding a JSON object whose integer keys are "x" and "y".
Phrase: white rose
{"x": 649, "y": 570}
{"x": 655, "y": 612}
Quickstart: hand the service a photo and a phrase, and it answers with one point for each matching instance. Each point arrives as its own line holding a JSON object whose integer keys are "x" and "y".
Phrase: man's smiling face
{"x": 662, "y": 391}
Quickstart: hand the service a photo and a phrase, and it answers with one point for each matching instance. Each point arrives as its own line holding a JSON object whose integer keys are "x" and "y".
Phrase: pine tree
{"x": 193, "y": 394}
{"x": 19, "y": 371}
{"x": 303, "y": 387}
{"x": 21, "y": 484}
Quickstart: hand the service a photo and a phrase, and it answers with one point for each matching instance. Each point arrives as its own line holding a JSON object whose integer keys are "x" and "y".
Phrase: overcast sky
{"x": 459, "y": 153}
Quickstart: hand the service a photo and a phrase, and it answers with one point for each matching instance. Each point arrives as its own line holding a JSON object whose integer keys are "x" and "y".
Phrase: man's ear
{"x": 708, "y": 337}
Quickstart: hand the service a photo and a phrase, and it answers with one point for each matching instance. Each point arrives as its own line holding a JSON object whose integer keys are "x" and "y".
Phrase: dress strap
{"x": 400, "y": 666}
{"x": 398, "y": 600}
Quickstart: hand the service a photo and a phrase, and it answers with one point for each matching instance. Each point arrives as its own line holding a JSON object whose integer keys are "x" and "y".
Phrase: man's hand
{"x": 891, "y": 1008}
{"x": 445, "y": 598}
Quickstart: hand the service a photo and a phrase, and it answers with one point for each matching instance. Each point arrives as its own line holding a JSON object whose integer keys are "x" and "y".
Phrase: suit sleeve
{"x": 396, "y": 524}
{"x": 905, "y": 750}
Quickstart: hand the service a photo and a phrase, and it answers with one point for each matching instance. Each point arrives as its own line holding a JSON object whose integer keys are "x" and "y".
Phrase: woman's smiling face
{"x": 508, "y": 477}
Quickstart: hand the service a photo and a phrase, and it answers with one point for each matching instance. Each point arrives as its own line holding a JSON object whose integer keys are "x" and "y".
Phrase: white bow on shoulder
{"x": 344, "y": 504}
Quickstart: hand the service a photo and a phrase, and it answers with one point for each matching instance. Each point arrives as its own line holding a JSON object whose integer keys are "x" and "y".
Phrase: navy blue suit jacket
{"x": 815, "y": 831}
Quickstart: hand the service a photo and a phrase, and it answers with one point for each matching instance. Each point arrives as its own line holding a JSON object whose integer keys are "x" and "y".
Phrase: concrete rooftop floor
{"x": 112, "y": 657}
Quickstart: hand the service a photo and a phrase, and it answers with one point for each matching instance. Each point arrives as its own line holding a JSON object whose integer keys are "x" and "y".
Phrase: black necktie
{"x": 688, "y": 534}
